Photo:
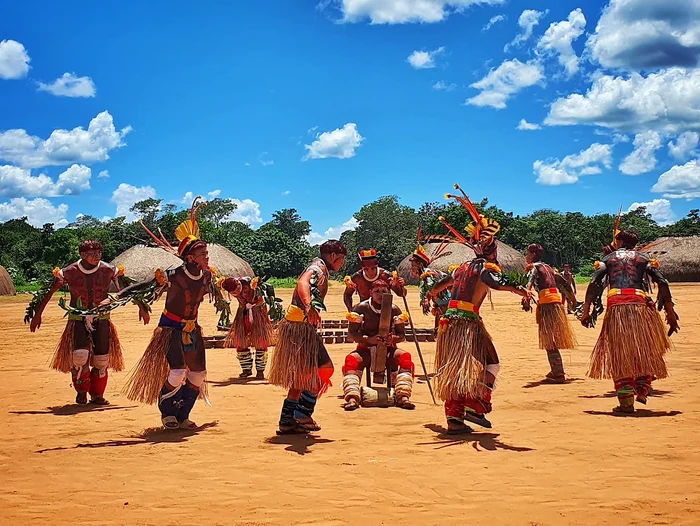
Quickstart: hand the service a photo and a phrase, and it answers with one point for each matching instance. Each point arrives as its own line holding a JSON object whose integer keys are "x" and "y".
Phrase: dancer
{"x": 89, "y": 345}
{"x": 466, "y": 362}
{"x": 364, "y": 330}
{"x": 569, "y": 277}
{"x": 553, "y": 326}
{"x": 420, "y": 268}
{"x": 250, "y": 328}
{"x": 300, "y": 362}
{"x": 633, "y": 341}
{"x": 370, "y": 271}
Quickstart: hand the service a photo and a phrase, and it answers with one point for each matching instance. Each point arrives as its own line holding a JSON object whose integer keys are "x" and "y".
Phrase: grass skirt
{"x": 632, "y": 343}
{"x": 461, "y": 354}
{"x": 63, "y": 355}
{"x": 554, "y": 329}
{"x": 260, "y": 336}
{"x": 294, "y": 363}
{"x": 148, "y": 376}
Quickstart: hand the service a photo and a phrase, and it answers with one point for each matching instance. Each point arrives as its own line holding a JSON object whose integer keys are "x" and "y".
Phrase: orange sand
{"x": 555, "y": 455}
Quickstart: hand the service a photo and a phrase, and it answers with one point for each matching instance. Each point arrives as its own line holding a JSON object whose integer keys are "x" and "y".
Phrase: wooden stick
{"x": 420, "y": 355}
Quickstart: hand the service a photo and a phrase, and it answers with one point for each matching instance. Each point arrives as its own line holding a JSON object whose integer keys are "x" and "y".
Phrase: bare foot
{"x": 405, "y": 403}
{"x": 351, "y": 404}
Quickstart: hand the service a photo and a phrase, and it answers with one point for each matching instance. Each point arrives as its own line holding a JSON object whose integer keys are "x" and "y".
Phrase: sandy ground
{"x": 555, "y": 455}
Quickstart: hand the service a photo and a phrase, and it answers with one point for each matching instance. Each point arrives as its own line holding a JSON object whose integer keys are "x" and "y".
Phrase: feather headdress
{"x": 439, "y": 252}
{"x": 187, "y": 232}
{"x": 480, "y": 231}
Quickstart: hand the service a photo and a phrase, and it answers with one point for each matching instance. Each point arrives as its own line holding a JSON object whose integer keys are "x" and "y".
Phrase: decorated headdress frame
{"x": 480, "y": 232}
{"x": 187, "y": 232}
{"x": 439, "y": 252}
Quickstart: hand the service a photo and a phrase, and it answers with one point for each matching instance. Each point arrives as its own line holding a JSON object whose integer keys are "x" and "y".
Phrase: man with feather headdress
{"x": 89, "y": 345}
{"x": 370, "y": 271}
{"x": 466, "y": 362}
{"x": 172, "y": 370}
{"x": 427, "y": 278}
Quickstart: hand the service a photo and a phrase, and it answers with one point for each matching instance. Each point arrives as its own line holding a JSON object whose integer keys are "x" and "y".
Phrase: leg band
{"x": 307, "y": 404}
{"x": 352, "y": 364}
{"x": 100, "y": 362}
{"x": 197, "y": 378}
{"x": 287, "y": 416}
{"x": 351, "y": 386}
{"x": 245, "y": 358}
{"x": 406, "y": 364}
{"x": 260, "y": 359}
{"x": 177, "y": 377}
{"x": 403, "y": 385}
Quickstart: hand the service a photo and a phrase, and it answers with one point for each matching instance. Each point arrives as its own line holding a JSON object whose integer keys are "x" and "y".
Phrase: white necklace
{"x": 375, "y": 278}
{"x": 192, "y": 276}
{"x": 86, "y": 271}
{"x": 376, "y": 311}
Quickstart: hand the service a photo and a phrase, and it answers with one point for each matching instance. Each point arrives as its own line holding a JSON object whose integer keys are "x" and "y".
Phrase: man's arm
{"x": 594, "y": 290}
{"x": 664, "y": 299}
{"x": 444, "y": 283}
{"x": 36, "y": 320}
{"x": 493, "y": 280}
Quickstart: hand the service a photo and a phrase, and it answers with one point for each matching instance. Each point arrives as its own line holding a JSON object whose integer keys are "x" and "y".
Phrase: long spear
{"x": 420, "y": 354}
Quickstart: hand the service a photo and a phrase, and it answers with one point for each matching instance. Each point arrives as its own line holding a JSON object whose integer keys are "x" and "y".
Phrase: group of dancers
{"x": 172, "y": 371}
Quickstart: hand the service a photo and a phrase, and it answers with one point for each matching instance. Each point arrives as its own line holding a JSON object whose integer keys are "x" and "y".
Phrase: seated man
{"x": 364, "y": 330}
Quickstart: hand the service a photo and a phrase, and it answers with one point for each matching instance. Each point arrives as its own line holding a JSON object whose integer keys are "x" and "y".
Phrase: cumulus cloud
{"x": 339, "y": 143}
{"x": 524, "y": 125}
{"x": 667, "y": 101}
{"x": 493, "y": 21}
{"x": 14, "y": 60}
{"x": 68, "y": 85}
{"x": 247, "y": 211}
{"x": 213, "y": 194}
{"x": 334, "y": 232}
{"x": 647, "y": 34}
{"x": 126, "y": 196}
{"x": 16, "y": 182}
{"x": 684, "y": 146}
{"x": 37, "y": 211}
{"x": 642, "y": 159}
{"x": 659, "y": 210}
{"x": 402, "y": 11}
{"x": 505, "y": 81}
{"x": 527, "y": 21}
{"x": 553, "y": 172}
{"x": 557, "y": 40}
{"x": 424, "y": 59}
{"x": 104, "y": 174}
{"x": 441, "y": 85}
{"x": 286, "y": 192}
{"x": 680, "y": 182}
{"x": 63, "y": 146}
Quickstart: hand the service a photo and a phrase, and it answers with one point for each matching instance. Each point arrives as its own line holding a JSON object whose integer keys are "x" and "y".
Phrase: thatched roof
{"x": 7, "y": 288}
{"x": 140, "y": 262}
{"x": 679, "y": 257}
{"x": 456, "y": 254}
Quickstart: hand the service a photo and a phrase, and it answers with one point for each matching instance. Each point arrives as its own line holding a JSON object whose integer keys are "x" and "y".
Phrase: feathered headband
{"x": 187, "y": 232}
{"x": 481, "y": 230}
{"x": 421, "y": 254}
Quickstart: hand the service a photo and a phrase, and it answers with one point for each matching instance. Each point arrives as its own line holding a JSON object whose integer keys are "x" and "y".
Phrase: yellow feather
{"x": 186, "y": 228}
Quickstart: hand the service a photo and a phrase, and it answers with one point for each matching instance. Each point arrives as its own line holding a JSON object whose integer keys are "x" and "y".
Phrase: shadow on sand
{"x": 72, "y": 409}
{"x": 238, "y": 381}
{"x": 613, "y": 394}
{"x": 478, "y": 440}
{"x": 151, "y": 435}
{"x": 538, "y": 383}
{"x": 638, "y": 413}
{"x": 298, "y": 444}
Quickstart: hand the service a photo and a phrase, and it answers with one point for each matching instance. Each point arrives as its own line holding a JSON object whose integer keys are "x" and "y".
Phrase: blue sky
{"x": 325, "y": 106}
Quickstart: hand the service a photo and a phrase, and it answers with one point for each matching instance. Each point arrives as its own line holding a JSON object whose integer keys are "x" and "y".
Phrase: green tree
{"x": 289, "y": 221}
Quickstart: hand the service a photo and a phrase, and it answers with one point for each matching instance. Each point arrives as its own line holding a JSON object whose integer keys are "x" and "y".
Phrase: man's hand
{"x": 105, "y": 302}
{"x": 36, "y": 322}
{"x": 372, "y": 340}
{"x": 313, "y": 317}
{"x": 145, "y": 316}
{"x": 672, "y": 320}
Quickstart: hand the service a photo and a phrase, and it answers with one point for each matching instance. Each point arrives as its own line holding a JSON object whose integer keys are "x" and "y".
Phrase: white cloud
{"x": 493, "y": 21}
{"x": 68, "y": 85}
{"x": 339, "y": 143}
{"x": 527, "y": 21}
{"x": 262, "y": 159}
{"x": 524, "y": 125}
{"x": 14, "y": 60}
{"x": 558, "y": 38}
{"x": 554, "y": 172}
{"x": 659, "y": 209}
{"x": 424, "y": 59}
{"x": 680, "y": 182}
{"x": 441, "y": 85}
{"x": 187, "y": 198}
{"x": 63, "y": 147}
{"x": 642, "y": 159}
{"x": 333, "y": 232}
{"x": 667, "y": 101}
{"x": 503, "y": 82}
{"x": 647, "y": 34}
{"x": 286, "y": 192}
{"x": 16, "y": 182}
{"x": 213, "y": 194}
{"x": 104, "y": 174}
{"x": 684, "y": 146}
{"x": 247, "y": 211}
{"x": 126, "y": 196}
{"x": 38, "y": 211}
{"x": 246, "y": 164}
{"x": 402, "y": 11}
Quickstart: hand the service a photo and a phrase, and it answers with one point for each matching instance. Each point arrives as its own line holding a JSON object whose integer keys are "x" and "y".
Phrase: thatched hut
{"x": 7, "y": 288}
{"x": 679, "y": 257}
{"x": 140, "y": 262}
{"x": 456, "y": 254}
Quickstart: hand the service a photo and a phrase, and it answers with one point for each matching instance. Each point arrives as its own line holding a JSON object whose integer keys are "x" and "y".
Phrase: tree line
{"x": 279, "y": 247}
